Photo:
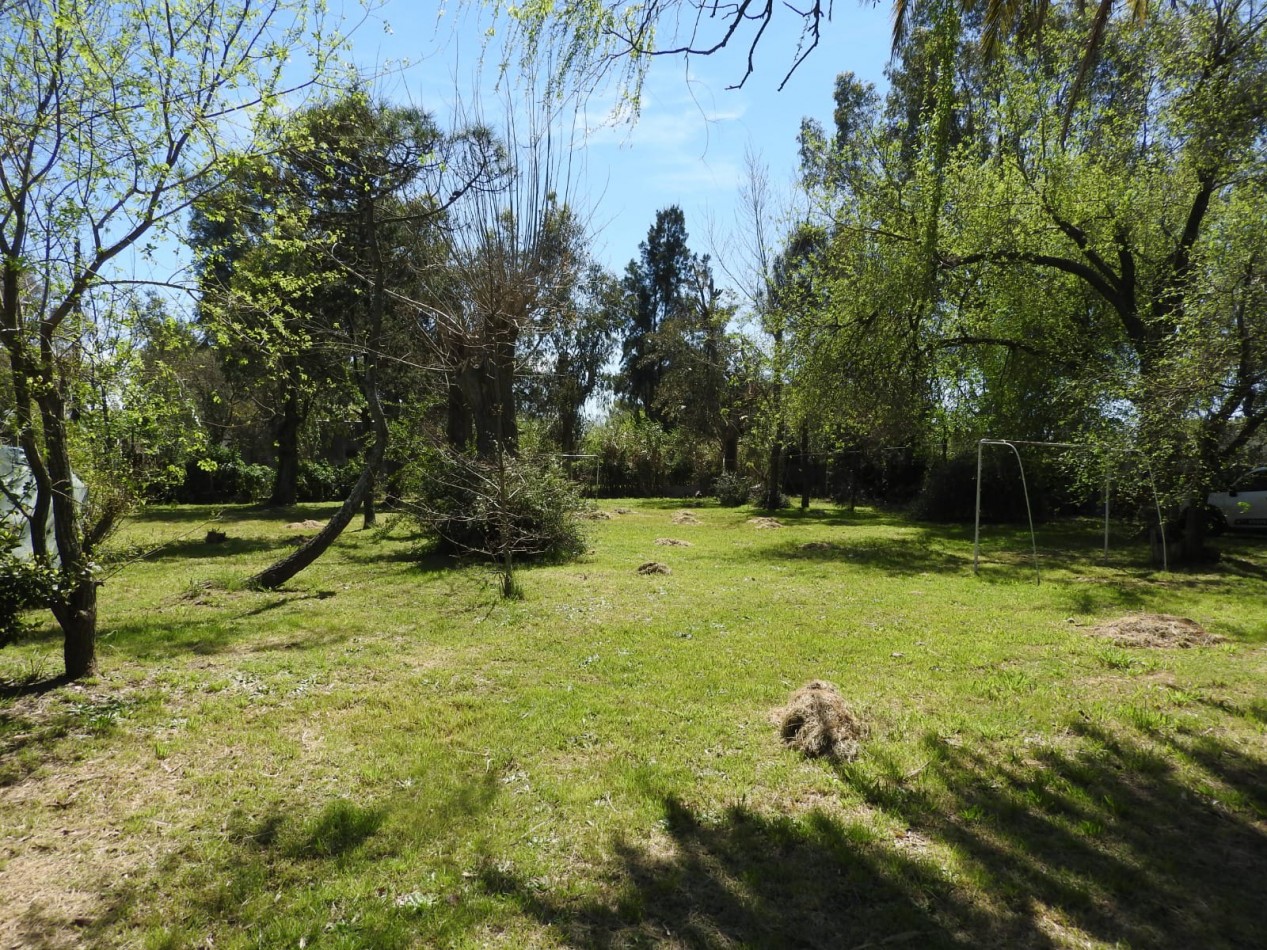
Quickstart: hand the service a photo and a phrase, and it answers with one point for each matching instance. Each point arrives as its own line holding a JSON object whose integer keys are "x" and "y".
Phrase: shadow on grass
{"x": 195, "y": 514}
{"x": 1106, "y": 841}
{"x": 747, "y": 879}
{"x": 907, "y": 555}
{"x": 229, "y": 548}
{"x": 1107, "y": 836}
{"x": 273, "y": 875}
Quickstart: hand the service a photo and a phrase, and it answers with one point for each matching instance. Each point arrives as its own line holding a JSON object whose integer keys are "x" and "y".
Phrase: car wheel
{"x": 1215, "y": 521}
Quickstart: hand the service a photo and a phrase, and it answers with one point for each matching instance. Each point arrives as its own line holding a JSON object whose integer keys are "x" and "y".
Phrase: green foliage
{"x": 732, "y": 489}
{"x": 506, "y": 508}
{"x": 24, "y": 585}
{"x": 323, "y": 481}
{"x": 638, "y": 457}
{"x": 220, "y": 474}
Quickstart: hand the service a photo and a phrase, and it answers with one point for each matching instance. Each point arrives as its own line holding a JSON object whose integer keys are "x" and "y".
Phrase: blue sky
{"x": 688, "y": 146}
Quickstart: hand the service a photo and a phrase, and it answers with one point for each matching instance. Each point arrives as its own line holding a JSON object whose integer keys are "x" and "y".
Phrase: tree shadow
{"x": 1107, "y": 836}
{"x": 746, "y": 879}
{"x": 918, "y": 554}
{"x": 262, "y": 875}
{"x": 228, "y": 548}
{"x": 195, "y": 514}
{"x": 1105, "y": 841}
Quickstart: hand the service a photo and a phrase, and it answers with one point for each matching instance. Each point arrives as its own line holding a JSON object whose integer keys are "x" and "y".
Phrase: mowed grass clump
{"x": 386, "y": 754}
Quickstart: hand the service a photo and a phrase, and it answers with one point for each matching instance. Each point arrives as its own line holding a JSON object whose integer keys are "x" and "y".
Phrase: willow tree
{"x": 111, "y": 119}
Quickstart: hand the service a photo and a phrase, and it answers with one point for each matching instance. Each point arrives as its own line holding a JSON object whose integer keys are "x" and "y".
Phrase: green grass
{"x": 388, "y": 754}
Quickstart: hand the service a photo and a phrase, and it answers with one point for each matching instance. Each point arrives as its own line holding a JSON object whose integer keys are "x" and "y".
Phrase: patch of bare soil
{"x": 309, "y": 525}
{"x": 817, "y": 722}
{"x": 654, "y": 567}
{"x": 1156, "y": 630}
{"x": 685, "y": 517}
{"x": 765, "y": 523}
{"x": 672, "y": 543}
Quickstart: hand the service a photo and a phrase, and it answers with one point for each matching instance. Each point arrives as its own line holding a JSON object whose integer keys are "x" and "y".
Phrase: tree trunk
{"x": 370, "y": 518}
{"x": 774, "y": 488}
{"x": 458, "y": 424}
{"x": 280, "y": 572}
{"x": 77, "y": 616}
{"x": 804, "y": 465}
{"x": 730, "y": 452}
{"x": 286, "y": 480}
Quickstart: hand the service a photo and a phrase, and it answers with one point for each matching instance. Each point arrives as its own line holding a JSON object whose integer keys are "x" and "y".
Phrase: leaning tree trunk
{"x": 281, "y": 571}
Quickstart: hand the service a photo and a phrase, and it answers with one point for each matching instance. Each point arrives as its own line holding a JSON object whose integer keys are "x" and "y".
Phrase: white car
{"x": 1244, "y": 505}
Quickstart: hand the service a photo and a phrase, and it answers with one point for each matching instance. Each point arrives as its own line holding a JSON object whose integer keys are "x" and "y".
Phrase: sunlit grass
{"x": 387, "y": 753}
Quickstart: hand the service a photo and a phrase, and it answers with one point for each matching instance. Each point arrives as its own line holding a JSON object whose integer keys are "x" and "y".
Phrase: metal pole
{"x": 976, "y": 532}
{"x": 1107, "y": 479}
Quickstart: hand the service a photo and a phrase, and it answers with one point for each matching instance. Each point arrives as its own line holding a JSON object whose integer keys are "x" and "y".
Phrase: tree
{"x": 505, "y": 258}
{"x": 371, "y": 173}
{"x": 656, "y": 287}
{"x": 112, "y": 115}
{"x": 581, "y": 316}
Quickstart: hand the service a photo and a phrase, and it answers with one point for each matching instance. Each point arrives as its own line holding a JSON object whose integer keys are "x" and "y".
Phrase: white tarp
{"x": 19, "y": 488}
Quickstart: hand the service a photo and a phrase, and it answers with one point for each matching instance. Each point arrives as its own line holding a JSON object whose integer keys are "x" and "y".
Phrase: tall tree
{"x": 656, "y": 285}
{"x": 112, "y": 115}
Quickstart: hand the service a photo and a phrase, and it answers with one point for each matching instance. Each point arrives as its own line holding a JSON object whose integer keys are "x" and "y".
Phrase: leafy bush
{"x": 520, "y": 508}
{"x": 637, "y": 457}
{"x": 757, "y": 496}
{"x": 732, "y": 489}
{"x": 221, "y": 475}
{"x": 24, "y": 585}
{"x": 324, "y": 481}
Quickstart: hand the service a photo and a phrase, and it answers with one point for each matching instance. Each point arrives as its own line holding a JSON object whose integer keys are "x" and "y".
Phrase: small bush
{"x": 522, "y": 508}
{"x": 757, "y": 496}
{"x": 732, "y": 489}
{"x": 322, "y": 481}
{"x": 220, "y": 475}
{"x": 24, "y": 585}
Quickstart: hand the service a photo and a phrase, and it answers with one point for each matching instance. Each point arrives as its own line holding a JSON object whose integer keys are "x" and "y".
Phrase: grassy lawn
{"x": 386, "y": 755}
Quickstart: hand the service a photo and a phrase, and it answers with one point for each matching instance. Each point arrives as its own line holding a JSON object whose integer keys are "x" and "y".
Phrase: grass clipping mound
{"x": 817, "y": 722}
{"x": 1156, "y": 630}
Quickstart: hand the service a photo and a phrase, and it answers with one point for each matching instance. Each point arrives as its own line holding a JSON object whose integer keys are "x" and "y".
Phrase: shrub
{"x": 24, "y": 585}
{"x": 520, "y": 508}
{"x": 324, "y": 481}
{"x": 220, "y": 475}
{"x": 757, "y": 496}
{"x": 732, "y": 489}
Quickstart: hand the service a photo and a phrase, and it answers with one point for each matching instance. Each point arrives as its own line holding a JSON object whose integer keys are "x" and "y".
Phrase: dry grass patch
{"x": 817, "y": 722}
{"x": 595, "y": 514}
{"x": 1156, "y": 630}
{"x": 762, "y": 524}
{"x": 672, "y": 543}
{"x": 308, "y": 525}
{"x": 685, "y": 517}
{"x": 654, "y": 567}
